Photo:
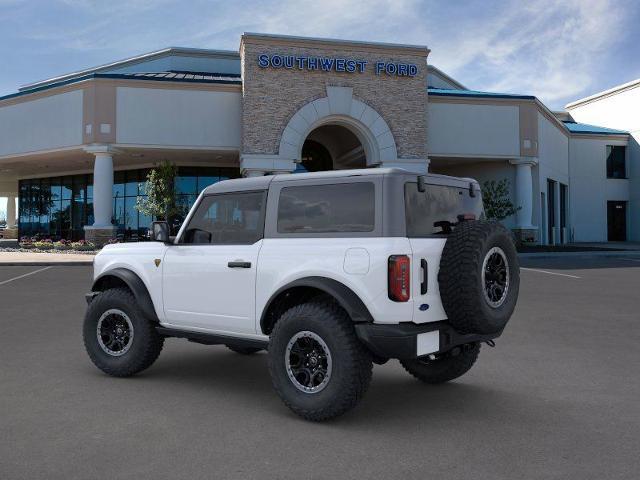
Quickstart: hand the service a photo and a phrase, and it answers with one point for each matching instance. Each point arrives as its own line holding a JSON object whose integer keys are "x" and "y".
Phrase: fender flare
{"x": 346, "y": 298}
{"x": 135, "y": 284}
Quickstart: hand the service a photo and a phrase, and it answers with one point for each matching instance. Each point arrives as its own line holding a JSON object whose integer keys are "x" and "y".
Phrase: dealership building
{"x": 75, "y": 150}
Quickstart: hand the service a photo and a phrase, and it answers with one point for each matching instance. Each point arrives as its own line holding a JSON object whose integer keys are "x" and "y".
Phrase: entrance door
{"x": 617, "y": 221}
{"x": 209, "y": 276}
{"x": 543, "y": 221}
{"x": 563, "y": 212}
{"x": 551, "y": 211}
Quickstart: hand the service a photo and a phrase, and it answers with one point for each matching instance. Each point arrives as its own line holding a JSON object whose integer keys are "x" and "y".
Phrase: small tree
{"x": 160, "y": 200}
{"x": 497, "y": 201}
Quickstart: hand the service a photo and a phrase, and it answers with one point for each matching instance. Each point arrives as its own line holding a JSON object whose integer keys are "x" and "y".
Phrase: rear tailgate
{"x": 430, "y": 215}
{"x": 424, "y": 273}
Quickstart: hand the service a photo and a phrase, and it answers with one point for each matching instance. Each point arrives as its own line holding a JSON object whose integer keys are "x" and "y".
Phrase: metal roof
{"x": 222, "y": 78}
{"x": 134, "y": 60}
{"x": 182, "y": 75}
{"x": 584, "y": 128}
{"x": 475, "y": 93}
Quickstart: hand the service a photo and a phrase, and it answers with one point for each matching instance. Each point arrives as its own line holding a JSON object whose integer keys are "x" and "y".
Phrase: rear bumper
{"x": 409, "y": 340}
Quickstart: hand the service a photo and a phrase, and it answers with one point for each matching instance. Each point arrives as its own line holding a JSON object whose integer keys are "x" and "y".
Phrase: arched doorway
{"x": 332, "y": 147}
{"x": 352, "y": 133}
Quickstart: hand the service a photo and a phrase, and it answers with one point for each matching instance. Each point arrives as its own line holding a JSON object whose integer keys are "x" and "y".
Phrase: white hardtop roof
{"x": 262, "y": 183}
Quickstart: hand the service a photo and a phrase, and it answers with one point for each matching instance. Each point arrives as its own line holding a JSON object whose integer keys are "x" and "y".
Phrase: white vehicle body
{"x": 193, "y": 289}
{"x": 181, "y": 287}
{"x": 329, "y": 272}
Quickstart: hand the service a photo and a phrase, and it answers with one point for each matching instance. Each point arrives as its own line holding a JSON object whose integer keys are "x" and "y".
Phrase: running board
{"x": 212, "y": 338}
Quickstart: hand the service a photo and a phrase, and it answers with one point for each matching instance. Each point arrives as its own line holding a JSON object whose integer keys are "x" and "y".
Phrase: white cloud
{"x": 546, "y": 48}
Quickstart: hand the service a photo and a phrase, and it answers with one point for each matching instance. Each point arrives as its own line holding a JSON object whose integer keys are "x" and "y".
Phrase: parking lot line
{"x": 25, "y": 275}
{"x": 550, "y": 273}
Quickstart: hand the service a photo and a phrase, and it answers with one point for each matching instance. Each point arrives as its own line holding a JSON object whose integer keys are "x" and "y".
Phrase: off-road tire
{"x": 443, "y": 369}
{"x": 145, "y": 346}
{"x": 460, "y": 277}
{"x": 351, "y": 362}
{"x": 243, "y": 350}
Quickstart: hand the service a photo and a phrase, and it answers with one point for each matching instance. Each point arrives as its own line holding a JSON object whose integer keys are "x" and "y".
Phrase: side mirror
{"x": 159, "y": 232}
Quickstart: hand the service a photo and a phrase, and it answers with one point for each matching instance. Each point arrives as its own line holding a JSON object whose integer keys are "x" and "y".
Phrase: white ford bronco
{"x": 328, "y": 272}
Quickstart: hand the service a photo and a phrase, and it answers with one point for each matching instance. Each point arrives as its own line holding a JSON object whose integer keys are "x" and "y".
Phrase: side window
{"x": 227, "y": 219}
{"x": 435, "y": 210}
{"x": 616, "y": 165}
{"x": 343, "y": 207}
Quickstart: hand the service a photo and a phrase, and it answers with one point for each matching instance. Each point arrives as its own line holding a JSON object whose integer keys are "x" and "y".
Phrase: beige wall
{"x": 590, "y": 189}
{"x": 271, "y": 96}
{"x": 53, "y": 121}
{"x": 176, "y": 117}
{"x": 620, "y": 110}
{"x": 473, "y": 129}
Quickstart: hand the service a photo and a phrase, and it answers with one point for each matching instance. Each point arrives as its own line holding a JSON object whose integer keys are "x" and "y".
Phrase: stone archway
{"x": 341, "y": 109}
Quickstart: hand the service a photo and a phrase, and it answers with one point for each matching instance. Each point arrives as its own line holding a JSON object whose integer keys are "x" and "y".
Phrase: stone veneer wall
{"x": 271, "y": 96}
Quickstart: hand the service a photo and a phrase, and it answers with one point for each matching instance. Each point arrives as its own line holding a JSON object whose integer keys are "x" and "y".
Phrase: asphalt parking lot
{"x": 557, "y": 398}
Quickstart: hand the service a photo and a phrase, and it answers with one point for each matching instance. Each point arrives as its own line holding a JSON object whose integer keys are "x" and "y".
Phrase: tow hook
{"x": 491, "y": 343}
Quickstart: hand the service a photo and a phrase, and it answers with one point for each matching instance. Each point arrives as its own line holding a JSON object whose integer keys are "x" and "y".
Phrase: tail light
{"x": 399, "y": 278}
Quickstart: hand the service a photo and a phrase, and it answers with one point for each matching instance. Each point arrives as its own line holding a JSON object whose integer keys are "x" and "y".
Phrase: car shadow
{"x": 394, "y": 397}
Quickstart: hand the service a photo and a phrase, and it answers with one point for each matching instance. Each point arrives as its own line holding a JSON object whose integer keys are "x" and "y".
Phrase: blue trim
{"x": 444, "y": 92}
{"x": 584, "y": 128}
{"x": 120, "y": 76}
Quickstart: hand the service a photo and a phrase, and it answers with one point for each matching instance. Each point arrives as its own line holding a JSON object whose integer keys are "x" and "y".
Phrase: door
{"x": 543, "y": 221}
{"x": 617, "y": 221}
{"x": 209, "y": 276}
{"x": 563, "y": 213}
{"x": 551, "y": 211}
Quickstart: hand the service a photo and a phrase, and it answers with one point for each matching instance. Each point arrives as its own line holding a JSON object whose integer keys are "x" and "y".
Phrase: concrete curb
{"x": 610, "y": 253}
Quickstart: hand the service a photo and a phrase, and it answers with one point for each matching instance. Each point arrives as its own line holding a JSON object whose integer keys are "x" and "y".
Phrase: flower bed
{"x": 44, "y": 245}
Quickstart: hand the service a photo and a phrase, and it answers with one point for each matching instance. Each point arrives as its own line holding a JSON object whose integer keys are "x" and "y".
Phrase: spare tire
{"x": 479, "y": 277}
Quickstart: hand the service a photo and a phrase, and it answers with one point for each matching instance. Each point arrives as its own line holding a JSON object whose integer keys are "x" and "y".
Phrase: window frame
{"x": 273, "y": 203}
{"x": 185, "y": 225}
{"x": 626, "y": 162}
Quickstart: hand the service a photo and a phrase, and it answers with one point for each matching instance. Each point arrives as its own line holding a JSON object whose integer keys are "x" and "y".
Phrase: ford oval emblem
{"x": 424, "y": 307}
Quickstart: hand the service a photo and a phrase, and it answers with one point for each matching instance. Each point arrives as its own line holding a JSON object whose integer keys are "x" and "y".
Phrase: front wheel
{"x": 119, "y": 339}
{"x": 318, "y": 366}
{"x": 444, "y": 368}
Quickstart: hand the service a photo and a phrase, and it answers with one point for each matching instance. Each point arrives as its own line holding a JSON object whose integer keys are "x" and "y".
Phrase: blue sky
{"x": 557, "y": 50}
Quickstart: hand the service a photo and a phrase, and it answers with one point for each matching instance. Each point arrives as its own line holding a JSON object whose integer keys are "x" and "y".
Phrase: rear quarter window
{"x": 345, "y": 207}
{"x": 435, "y": 210}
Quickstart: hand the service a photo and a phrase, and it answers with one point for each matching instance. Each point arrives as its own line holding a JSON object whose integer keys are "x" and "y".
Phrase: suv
{"x": 329, "y": 272}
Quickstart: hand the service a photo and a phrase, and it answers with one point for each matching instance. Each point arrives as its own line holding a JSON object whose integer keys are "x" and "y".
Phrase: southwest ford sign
{"x": 333, "y": 64}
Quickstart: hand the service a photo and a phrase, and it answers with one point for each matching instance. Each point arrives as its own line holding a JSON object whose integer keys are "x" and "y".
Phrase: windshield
{"x": 436, "y": 210}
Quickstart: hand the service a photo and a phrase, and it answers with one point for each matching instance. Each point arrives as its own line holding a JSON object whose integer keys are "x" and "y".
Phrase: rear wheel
{"x": 119, "y": 339}
{"x": 318, "y": 366}
{"x": 448, "y": 366}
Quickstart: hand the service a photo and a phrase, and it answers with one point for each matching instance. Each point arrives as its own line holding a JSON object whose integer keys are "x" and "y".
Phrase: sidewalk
{"x": 36, "y": 259}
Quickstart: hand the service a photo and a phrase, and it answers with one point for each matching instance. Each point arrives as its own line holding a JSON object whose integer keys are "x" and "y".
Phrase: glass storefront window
{"x": 67, "y": 188}
{"x": 186, "y": 184}
{"x": 118, "y": 184}
{"x": 59, "y": 207}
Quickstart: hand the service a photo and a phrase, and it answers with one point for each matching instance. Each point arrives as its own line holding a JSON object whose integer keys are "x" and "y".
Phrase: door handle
{"x": 425, "y": 276}
{"x": 239, "y": 264}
